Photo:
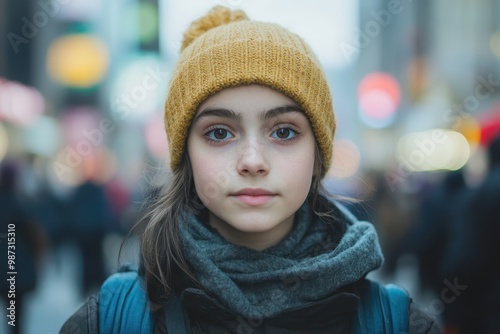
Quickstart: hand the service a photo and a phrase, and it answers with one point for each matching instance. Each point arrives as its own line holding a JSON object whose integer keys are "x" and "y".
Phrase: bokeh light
{"x": 148, "y": 19}
{"x": 490, "y": 125}
{"x": 432, "y": 150}
{"x": 77, "y": 60}
{"x": 99, "y": 167}
{"x": 20, "y": 104}
{"x": 66, "y": 168}
{"x": 4, "y": 142}
{"x": 495, "y": 44}
{"x": 156, "y": 137}
{"x": 470, "y": 129}
{"x": 43, "y": 137}
{"x": 346, "y": 159}
{"x": 379, "y": 96}
{"x": 81, "y": 124}
{"x": 138, "y": 89}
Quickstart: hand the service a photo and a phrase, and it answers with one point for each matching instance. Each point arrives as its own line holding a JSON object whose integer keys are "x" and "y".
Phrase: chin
{"x": 255, "y": 222}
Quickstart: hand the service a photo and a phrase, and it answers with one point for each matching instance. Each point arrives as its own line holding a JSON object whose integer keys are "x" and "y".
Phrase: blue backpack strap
{"x": 123, "y": 306}
{"x": 175, "y": 320}
{"x": 382, "y": 309}
{"x": 399, "y": 302}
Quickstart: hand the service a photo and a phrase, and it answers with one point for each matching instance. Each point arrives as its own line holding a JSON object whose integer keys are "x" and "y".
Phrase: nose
{"x": 252, "y": 159}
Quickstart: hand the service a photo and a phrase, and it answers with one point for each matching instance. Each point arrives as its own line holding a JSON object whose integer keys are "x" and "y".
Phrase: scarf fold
{"x": 308, "y": 265}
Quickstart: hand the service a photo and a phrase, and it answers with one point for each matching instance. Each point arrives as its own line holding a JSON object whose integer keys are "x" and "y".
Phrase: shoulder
{"x": 119, "y": 285}
{"x": 85, "y": 320}
{"x": 389, "y": 307}
{"x": 123, "y": 304}
{"x": 421, "y": 322}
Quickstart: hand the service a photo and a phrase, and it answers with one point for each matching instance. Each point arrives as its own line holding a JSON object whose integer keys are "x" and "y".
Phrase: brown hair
{"x": 161, "y": 257}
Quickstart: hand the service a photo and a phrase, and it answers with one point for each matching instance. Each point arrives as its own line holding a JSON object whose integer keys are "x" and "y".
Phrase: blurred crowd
{"x": 446, "y": 225}
{"x": 45, "y": 221}
{"x": 455, "y": 239}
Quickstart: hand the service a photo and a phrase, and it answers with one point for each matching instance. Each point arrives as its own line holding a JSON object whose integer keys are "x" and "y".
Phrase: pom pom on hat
{"x": 217, "y": 16}
{"x": 226, "y": 49}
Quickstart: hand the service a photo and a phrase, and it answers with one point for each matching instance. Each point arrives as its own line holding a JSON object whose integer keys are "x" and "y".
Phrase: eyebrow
{"x": 274, "y": 112}
{"x": 230, "y": 114}
{"x": 218, "y": 112}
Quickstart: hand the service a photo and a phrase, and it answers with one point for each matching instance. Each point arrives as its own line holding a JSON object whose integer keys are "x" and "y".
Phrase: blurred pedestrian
{"x": 437, "y": 215}
{"x": 22, "y": 241}
{"x": 471, "y": 257}
{"x": 90, "y": 216}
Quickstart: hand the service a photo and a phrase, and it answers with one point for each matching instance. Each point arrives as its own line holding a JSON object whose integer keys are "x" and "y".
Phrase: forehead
{"x": 246, "y": 98}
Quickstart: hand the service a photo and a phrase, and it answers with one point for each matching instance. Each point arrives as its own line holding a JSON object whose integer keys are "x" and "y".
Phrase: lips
{"x": 253, "y": 192}
{"x": 254, "y": 196}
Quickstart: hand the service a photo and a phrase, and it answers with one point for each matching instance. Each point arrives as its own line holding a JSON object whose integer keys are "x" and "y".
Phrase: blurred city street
{"x": 58, "y": 292}
{"x": 56, "y": 297}
{"x": 416, "y": 91}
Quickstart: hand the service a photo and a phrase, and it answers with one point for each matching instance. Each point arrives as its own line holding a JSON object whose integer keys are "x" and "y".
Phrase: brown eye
{"x": 220, "y": 134}
{"x": 283, "y": 133}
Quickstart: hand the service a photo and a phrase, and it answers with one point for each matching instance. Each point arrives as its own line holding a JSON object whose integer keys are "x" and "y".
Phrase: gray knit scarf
{"x": 305, "y": 266}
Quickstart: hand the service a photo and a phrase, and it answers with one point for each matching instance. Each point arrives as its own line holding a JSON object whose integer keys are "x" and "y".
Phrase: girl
{"x": 242, "y": 238}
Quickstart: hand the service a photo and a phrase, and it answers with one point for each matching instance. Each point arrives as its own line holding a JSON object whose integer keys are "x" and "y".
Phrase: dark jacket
{"x": 334, "y": 314}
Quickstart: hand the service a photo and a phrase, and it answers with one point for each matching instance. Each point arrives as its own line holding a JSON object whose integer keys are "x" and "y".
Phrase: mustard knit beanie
{"x": 225, "y": 49}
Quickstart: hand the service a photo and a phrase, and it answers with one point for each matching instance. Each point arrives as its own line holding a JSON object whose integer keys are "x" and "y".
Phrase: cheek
{"x": 298, "y": 168}
{"x": 210, "y": 175}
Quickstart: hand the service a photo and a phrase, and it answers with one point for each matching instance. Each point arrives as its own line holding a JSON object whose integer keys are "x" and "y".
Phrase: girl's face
{"x": 252, "y": 154}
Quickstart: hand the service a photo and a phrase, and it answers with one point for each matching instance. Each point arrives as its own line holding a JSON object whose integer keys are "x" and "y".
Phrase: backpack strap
{"x": 382, "y": 309}
{"x": 123, "y": 306}
{"x": 175, "y": 317}
{"x": 399, "y": 302}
